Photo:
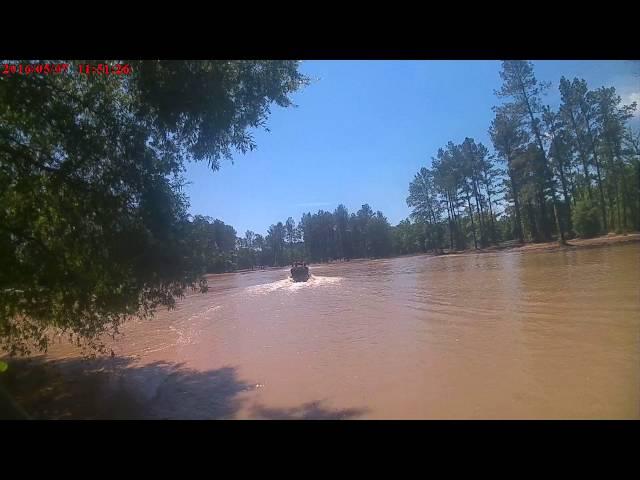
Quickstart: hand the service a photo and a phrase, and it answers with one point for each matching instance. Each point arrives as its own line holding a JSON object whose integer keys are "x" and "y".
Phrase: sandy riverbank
{"x": 600, "y": 241}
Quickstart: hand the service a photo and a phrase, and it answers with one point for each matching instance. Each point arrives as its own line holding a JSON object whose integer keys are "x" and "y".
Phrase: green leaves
{"x": 3, "y": 366}
{"x": 585, "y": 219}
{"x": 93, "y": 224}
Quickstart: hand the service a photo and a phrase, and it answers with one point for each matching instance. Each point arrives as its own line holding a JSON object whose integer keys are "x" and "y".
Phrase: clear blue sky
{"x": 360, "y": 132}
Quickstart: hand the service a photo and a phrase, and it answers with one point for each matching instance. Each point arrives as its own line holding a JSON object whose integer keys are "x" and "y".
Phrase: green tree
{"x": 570, "y": 114}
{"x": 276, "y": 240}
{"x": 632, "y": 150}
{"x": 249, "y": 238}
{"x": 521, "y": 86}
{"x": 426, "y": 208}
{"x": 379, "y": 241}
{"x": 508, "y": 139}
{"x": 363, "y": 216}
{"x": 584, "y": 101}
{"x": 560, "y": 156}
{"x": 343, "y": 235}
{"x": 447, "y": 178}
{"x": 585, "y": 219}
{"x": 610, "y": 119}
{"x": 290, "y": 231}
{"x": 291, "y": 238}
{"x": 94, "y": 226}
{"x": 401, "y": 237}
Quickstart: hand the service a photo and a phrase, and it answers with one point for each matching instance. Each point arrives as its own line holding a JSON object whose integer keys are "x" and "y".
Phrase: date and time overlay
{"x": 87, "y": 69}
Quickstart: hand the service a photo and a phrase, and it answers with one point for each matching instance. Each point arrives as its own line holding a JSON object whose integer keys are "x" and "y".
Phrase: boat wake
{"x": 287, "y": 285}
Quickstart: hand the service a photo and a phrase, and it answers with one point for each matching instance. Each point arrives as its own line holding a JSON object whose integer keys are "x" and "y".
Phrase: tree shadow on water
{"x": 119, "y": 388}
{"x": 307, "y": 411}
{"x": 116, "y": 388}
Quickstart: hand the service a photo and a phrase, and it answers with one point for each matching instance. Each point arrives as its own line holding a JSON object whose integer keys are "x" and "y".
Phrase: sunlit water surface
{"x": 504, "y": 335}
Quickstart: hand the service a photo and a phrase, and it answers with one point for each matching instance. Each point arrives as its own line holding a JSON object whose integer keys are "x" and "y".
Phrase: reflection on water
{"x": 504, "y": 335}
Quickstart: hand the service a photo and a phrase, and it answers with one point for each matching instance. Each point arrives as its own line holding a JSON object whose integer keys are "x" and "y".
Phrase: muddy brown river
{"x": 491, "y": 336}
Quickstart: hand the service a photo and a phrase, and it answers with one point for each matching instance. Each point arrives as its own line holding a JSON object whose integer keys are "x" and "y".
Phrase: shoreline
{"x": 515, "y": 246}
{"x": 575, "y": 243}
{"x": 509, "y": 246}
{"x": 542, "y": 247}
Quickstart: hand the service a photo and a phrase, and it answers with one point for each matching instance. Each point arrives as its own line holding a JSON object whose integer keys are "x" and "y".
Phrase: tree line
{"x": 552, "y": 173}
{"x": 318, "y": 237}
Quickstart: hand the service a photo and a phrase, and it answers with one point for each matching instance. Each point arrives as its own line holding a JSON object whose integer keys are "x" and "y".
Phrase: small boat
{"x": 300, "y": 272}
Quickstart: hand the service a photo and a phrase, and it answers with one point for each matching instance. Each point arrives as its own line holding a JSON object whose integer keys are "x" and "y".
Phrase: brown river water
{"x": 490, "y": 336}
